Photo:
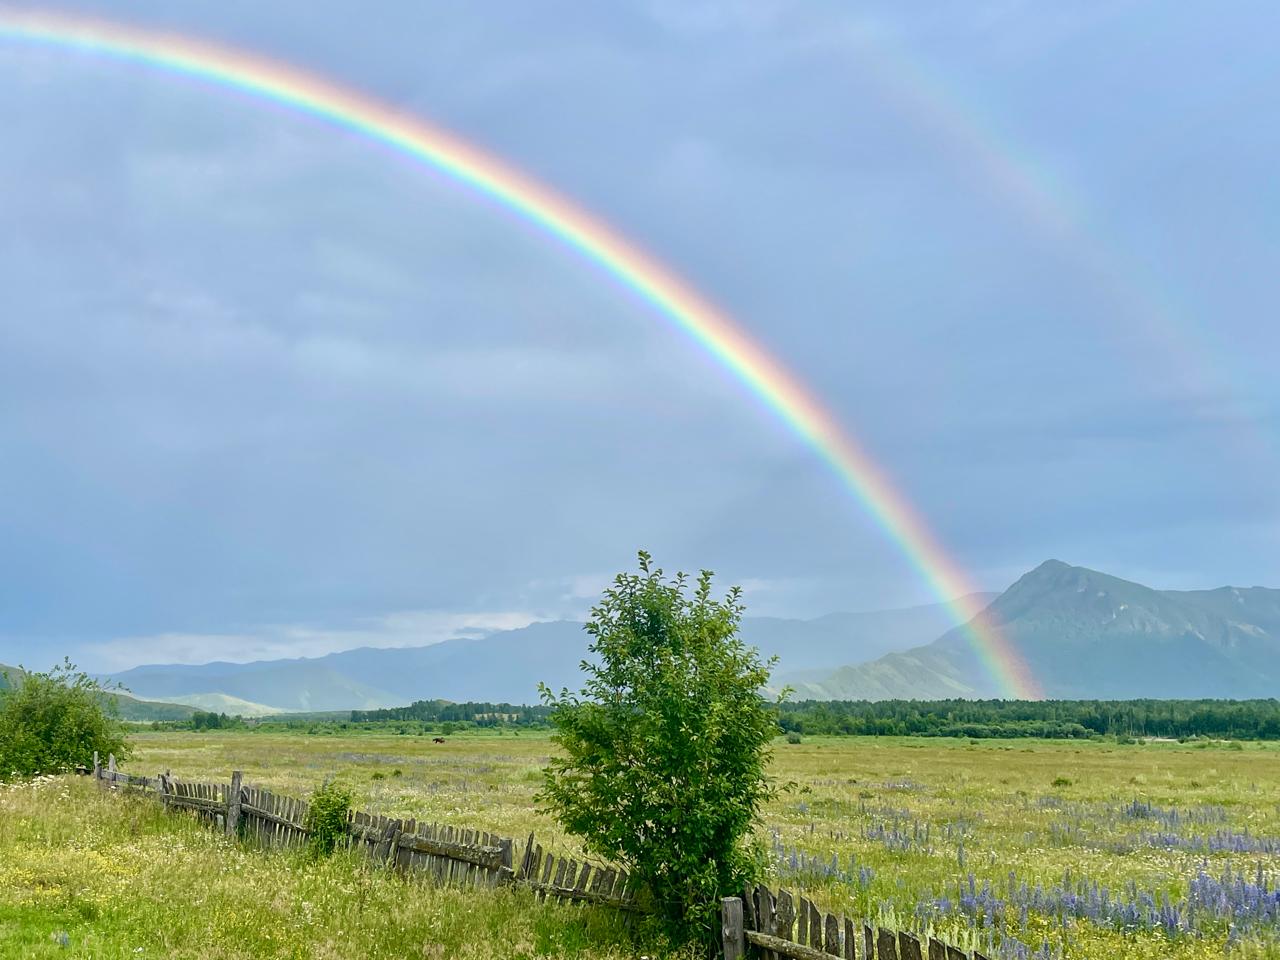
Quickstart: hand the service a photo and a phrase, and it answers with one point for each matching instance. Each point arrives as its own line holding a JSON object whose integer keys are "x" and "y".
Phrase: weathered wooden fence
{"x": 761, "y": 924}
{"x": 445, "y": 854}
{"x": 767, "y": 925}
{"x": 566, "y": 879}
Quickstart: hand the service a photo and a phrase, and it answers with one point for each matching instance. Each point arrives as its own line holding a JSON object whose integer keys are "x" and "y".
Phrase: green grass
{"x": 105, "y": 869}
{"x": 122, "y": 878}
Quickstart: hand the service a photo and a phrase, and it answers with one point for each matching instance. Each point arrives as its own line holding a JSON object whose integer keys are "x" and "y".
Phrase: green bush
{"x": 327, "y": 816}
{"x": 663, "y": 752}
{"x": 793, "y": 736}
{"x": 52, "y": 722}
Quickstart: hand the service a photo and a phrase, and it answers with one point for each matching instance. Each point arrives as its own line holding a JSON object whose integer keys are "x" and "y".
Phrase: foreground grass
{"x": 909, "y": 821}
{"x": 121, "y": 878}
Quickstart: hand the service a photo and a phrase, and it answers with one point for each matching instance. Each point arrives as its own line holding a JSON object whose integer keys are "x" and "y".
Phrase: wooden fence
{"x": 445, "y": 854}
{"x": 762, "y": 924}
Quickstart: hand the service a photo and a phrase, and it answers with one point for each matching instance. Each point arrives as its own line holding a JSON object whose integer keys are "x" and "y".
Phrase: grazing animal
{"x": 437, "y": 739}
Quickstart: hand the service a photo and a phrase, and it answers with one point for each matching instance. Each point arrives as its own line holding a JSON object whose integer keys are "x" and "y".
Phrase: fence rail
{"x": 768, "y": 925}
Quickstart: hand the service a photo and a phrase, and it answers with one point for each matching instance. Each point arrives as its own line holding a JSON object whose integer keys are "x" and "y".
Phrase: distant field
{"x": 1098, "y": 850}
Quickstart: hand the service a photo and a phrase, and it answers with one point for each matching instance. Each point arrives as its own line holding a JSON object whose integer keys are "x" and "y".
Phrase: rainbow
{"x": 709, "y": 327}
{"x": 970, "y": 135}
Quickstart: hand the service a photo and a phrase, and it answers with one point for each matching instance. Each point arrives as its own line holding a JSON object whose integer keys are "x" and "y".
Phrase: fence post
{"x": 731, "y": 932}
{"x": 233, "y": 803}
{"x": 97, "y": 768}
{"x": 111, "y": 769}
{"x": 506, "y": 873}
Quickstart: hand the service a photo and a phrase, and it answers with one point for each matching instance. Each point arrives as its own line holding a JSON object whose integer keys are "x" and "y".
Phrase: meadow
{"x": 1072, "y": 849}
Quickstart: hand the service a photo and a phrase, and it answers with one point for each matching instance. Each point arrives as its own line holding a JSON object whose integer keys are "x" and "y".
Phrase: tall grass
{"x": 118, "y": 877}
{"x": 1160, "y": 851}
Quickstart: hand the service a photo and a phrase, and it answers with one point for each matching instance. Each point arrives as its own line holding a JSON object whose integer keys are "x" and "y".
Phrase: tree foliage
{"x": 51, "y": 722}
{"x": 663, "y": 752}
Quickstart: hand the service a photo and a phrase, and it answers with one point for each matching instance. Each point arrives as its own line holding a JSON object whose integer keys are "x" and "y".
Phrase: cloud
{"x": 256, "y": 370}
{"x": 411, "y": 628}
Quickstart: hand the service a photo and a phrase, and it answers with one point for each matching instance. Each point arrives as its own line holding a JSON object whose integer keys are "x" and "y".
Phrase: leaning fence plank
{"x": 526, "y": 862}
{"x": 831, "y": 939}
{"x": 886, "y": 945}
{"x": 868, "y": 942}
{"x": 908, "y": 947}
{"x": 850, "y": 940}
{"x": 564, "y": 875}
{"x": 768, "y": 917}
{"x": 547, "y": 871}
{"x": 784, "y": 916}
{"x": 584, "y": 874}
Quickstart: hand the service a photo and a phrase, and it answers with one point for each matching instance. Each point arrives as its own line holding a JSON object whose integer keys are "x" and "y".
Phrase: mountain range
{"x": 1088, "y": 635}
{"x": 507, "y": 665}
{"x": 1081, "y": 633}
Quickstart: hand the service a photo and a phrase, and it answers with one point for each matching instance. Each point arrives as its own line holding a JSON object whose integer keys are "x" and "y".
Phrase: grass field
{"x": 1081, "y": 850}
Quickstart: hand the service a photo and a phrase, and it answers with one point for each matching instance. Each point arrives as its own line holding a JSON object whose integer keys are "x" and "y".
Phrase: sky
{"x": 267, "y": 389}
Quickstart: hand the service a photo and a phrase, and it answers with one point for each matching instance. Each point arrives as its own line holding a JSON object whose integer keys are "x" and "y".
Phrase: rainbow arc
{"x": 597, "y": 243}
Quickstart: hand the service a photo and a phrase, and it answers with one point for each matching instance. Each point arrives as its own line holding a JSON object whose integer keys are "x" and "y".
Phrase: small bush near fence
{"x": 327, "y": 817}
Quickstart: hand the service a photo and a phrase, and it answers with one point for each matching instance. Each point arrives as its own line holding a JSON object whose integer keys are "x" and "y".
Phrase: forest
{"x": 1053, "y": 719}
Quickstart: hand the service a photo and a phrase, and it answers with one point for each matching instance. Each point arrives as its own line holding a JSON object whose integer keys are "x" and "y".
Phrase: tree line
{"x": 976, "y": 719}
{"x": 481, "y": 714}
{"x": 1055, "y": 719}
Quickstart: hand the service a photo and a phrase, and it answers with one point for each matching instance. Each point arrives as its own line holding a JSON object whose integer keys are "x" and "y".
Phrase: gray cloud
{"x": 256, "y": 372}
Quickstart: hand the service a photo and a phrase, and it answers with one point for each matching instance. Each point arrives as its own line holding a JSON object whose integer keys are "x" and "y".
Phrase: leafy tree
{"x": 50, "y": 722}
{"x": 663, "y": 752}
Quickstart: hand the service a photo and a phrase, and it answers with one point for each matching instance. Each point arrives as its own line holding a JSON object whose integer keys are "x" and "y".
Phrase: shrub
{"x": 793, "y": 736}
{"x": 327, "y": 816}
{"x": 1061, "y": 781}
{"x": 50, "y": 722}
{"x": 664, "y": 750}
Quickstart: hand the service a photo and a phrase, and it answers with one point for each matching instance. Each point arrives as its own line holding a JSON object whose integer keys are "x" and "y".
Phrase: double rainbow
{"x": 597, "y": 243}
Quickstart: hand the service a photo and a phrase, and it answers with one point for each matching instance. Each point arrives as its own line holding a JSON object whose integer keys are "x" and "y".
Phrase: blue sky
{"x": 266, "y": 390}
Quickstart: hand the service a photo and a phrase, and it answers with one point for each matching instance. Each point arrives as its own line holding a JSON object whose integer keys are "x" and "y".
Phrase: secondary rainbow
{"x": 553, "y": 214}
{"x": 1168, "y": 338}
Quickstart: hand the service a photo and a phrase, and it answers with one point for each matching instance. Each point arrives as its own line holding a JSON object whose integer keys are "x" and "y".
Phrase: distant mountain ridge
{"x": 1083, "y": 634}
{"x": 509, "y": 664}
{"x": 1086, "y": 634}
